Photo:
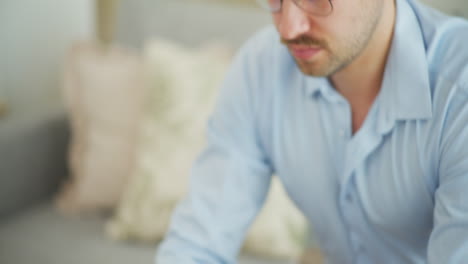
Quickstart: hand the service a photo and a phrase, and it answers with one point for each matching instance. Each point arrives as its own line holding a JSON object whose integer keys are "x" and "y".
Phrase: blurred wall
{"x": 34, "y": 38}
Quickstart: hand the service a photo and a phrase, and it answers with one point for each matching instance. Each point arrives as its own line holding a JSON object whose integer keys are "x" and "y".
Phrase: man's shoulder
{"x": 448, "y": 52}
{"x": 446, "y": 39}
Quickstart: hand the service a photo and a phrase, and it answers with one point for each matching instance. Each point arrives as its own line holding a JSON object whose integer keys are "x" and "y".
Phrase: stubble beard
{"x": 332, "y": 59}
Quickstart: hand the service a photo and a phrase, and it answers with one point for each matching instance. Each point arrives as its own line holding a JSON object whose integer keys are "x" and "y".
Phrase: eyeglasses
{"x": 313, "y": 7}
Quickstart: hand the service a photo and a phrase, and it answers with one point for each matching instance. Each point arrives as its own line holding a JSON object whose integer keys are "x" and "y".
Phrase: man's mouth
{"x": 304, "y": 52}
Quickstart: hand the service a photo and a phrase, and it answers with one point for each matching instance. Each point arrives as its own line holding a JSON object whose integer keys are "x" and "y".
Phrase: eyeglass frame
{"x": 297, "y": 3}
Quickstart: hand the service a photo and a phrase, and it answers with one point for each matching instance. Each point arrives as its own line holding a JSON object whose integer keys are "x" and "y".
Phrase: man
{"x": 362, "y": 111}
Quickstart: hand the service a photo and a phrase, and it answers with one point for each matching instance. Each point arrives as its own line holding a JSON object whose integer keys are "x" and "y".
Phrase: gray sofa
{"x": 33, "y": 151}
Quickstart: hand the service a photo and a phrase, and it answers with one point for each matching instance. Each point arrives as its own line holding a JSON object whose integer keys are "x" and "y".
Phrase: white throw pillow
{"x": 103, "y": 92}
{"x": 183, "y": 86}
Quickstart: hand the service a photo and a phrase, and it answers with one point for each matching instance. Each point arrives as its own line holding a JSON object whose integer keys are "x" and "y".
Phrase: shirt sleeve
{"x": 449, "y": 239}
{"x": 228, "y": 183}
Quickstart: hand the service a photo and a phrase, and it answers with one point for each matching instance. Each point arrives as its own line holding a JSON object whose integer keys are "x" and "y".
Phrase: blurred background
{"x": 92, "y": 122}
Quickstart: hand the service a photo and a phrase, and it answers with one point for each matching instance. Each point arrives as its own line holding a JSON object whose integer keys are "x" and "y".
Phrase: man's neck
{"x": 360, "y": 81}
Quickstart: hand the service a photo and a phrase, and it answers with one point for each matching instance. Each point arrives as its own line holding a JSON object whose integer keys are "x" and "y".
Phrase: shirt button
{"x": 349, "y": 197}
{"x": 342, "y": 133}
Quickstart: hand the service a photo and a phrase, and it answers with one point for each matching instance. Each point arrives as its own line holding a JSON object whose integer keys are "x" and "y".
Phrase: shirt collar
{"x": 405, "y": 92}
{"x": 313, "y": 85}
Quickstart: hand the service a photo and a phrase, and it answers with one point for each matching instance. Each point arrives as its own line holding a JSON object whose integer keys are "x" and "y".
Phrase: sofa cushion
{"x": 33, "y": 160}
{"x": 41, "y": 235}
{"x": 104, "y": 90}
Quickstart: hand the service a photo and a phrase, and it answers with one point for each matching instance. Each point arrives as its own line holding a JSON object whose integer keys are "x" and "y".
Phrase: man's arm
{"x": 228, "y": 182}
{"x": 449, "y": 240}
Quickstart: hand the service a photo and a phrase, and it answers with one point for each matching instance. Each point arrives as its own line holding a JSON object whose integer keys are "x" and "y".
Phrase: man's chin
{"x": 318, "y": 66}
{"x": 314, "y": 69}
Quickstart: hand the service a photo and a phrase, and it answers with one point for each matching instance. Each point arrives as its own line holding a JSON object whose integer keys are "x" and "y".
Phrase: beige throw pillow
{"x": 182, "y": 92}
{"x": 103, "y": 91}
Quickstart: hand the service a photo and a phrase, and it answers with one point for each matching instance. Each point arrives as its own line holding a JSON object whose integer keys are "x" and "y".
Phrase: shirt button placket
{"x": 349, "y": 207}
{"x": 349, "y": 198}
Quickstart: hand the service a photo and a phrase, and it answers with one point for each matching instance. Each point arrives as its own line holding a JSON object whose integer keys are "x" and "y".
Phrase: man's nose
{"x": 293, "y": 21}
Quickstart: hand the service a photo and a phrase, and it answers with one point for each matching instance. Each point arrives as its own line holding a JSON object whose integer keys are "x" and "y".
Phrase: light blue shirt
{"x": 394, "y": 192}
